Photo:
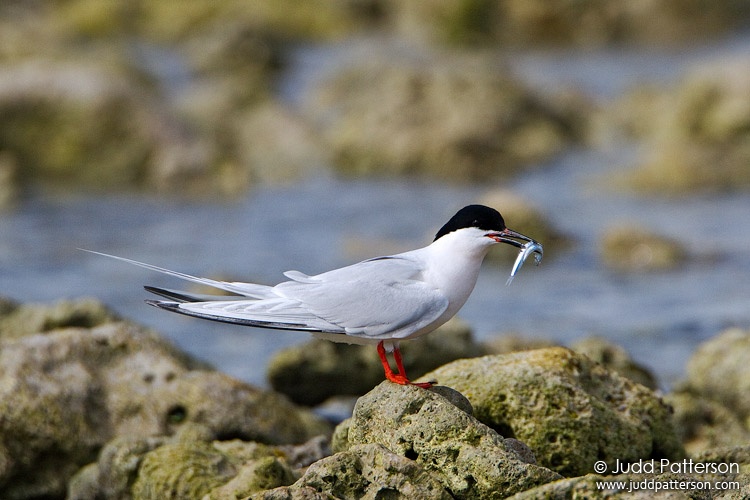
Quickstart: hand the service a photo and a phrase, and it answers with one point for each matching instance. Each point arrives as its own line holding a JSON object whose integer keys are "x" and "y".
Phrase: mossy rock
{"x": 568, "y": 409}
{"x": 470, "y": 459}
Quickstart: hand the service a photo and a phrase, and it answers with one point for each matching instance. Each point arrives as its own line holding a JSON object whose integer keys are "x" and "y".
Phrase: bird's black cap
{"x": 478, "y": 216}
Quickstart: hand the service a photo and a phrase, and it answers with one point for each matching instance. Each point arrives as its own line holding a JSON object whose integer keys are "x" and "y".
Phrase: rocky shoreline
{"x": 94, "y": 407}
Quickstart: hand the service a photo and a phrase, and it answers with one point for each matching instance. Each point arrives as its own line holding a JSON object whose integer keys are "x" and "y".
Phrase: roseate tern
{"x": 380, "y": 301}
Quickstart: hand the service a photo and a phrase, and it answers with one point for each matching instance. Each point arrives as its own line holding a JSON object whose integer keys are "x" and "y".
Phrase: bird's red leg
{"x": 402, "y": 371}
{"x": 393, "y": 377}
{"x": 400, "y": 377}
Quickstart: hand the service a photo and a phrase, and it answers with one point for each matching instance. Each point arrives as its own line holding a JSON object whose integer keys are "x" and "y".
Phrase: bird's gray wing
{"x": 376, "y": 297}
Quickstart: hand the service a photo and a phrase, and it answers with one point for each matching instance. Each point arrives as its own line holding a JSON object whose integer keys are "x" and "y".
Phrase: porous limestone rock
{"x": 568, "y": 409}
{"x": 470, "y": 459}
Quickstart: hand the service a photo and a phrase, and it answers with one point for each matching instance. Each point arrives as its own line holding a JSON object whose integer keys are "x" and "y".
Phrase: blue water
{"x": 324, "y": 222}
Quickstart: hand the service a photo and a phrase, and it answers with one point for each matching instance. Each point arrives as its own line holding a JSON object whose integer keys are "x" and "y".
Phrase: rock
{"x": 93, "y": 124}
{"x": 445, "y": 117}
{"x": 719, "y": 370}
{"x": 366, "y": 471}
{"x": 185, "y": 468}
{"x": 512, "y": 342}
{"x": 642, "y": 486}
{"x": 171, "y": 22}
{"x": 115, "y": 471}
{"x": 469, "y": 459}
{"x": 568, "y": 409}
{"x": 181, "y": 471}
{"x": 629, "y": 248}
{"x": 190, "y": 465}
{"x": 65, "y": 393}
{"x": 699, "y": 132}
{"x": 9, "y": 188}
{"x": 18, "y": 320}
{"x": 615, "y": 358}
{"x": 277, "y": 146}
{"x": 703, "y": 424}
{"x": 724, "y": 485}
{"x": 314, "y": 371}
{"x": 588, "y": 23}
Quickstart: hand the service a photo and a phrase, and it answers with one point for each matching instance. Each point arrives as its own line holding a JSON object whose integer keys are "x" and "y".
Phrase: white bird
{"x": 380, "y": 301}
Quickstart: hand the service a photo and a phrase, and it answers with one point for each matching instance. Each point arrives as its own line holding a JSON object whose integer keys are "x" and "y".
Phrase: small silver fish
{"x": 531, "y": 247}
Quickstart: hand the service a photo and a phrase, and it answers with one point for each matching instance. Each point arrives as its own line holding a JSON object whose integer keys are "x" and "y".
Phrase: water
{"x": 324, "y": 222}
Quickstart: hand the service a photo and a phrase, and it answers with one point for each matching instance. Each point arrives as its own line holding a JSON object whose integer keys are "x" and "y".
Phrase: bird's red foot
{"x": 400, "y": 377}
{"x": 402, "y": 380}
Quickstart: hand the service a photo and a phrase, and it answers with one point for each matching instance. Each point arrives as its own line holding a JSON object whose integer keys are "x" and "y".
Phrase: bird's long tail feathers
{"x": 245, "y": 289}
{"x": 234, "y": 319}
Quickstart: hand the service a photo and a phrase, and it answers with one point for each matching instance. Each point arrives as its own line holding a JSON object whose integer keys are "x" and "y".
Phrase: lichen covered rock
{"x": 470, "y": 459}
{"x": 719, "y": 370}
{"x": 64, "y": 393}
{"x": 616, "y": 358}
{"x": 568, "y": 409}
{"x": 17, "y": 320}
{"x": 705, "y": 424}
{"x": 188, "y": 465}
{"x": 365, "y": 471}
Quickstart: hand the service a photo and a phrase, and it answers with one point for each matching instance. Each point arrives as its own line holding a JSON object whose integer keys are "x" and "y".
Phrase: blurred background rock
{"x": 181, "y": 97}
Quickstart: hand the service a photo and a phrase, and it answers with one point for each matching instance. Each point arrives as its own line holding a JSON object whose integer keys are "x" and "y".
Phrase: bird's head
{"x": 483, "y": 223}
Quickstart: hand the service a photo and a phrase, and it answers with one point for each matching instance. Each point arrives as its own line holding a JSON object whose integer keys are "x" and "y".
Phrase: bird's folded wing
{"x": 383, "y": 296}
{"x": 376, "y": 298}
{"x": 268, "y": 313}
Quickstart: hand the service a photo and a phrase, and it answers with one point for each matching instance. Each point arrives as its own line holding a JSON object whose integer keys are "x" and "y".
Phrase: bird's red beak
{"x": 510, "y": 237}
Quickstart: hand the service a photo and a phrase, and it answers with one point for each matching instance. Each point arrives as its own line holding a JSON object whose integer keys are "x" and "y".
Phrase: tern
{"x": 382, "y": 301}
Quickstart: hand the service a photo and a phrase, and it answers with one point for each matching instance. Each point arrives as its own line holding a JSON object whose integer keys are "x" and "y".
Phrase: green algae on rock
{"x": 568, "y": 409}
{"x": 176, "y": 471}
{"x": 64, "y": 393}
{"x": 364, "y": 471}
{"x": 470, "y": 459}
{"x": 614, "y": 357}
{"x": 705, "y": 424}
{"x": 719, "y": 370}
{"x": 17, "y": 320}
{"x": 189, "y": 465}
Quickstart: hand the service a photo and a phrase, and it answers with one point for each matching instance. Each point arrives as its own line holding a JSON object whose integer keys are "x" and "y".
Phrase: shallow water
{"x": 325, "y": 222}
